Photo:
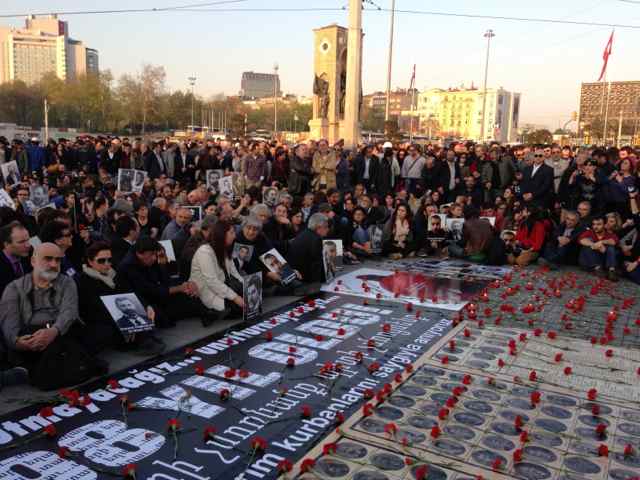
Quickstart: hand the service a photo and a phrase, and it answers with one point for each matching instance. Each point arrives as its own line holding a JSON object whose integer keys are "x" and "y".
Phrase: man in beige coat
{"x": 324, "y": 167}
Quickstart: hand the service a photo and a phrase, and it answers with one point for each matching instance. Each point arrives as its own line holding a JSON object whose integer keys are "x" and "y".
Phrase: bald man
{"x": 38, "y": 308}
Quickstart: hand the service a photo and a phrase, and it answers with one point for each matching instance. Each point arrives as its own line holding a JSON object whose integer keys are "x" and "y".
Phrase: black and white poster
{"x": 128, "y": 313}
{"x": 277, "y": 264}
{"x": 213, "y": 177}
{"x": 270, "y": 196}
{"x": 225, "y": 187}
{"x": 168, "y": 249}
{"x": 39, "y": 195}
{"x": 375, "y": 238}
{"x": 231, "y": 406}
{"x": 241, "y": 254}
{"x": 448, "y": 268}
{"x": 252, "y": 296}
{"x": 331, "y": 258}
{"x": 10, "y": 173}
{"x": 130, "y": 180}
{"x": 196, "y": 212}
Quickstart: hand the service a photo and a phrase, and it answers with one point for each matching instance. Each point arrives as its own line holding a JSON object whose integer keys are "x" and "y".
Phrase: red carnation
{"x": 435, "y": 432}
{"x": 113, "y": 383}
{"x": 398, "y": 378}
{"x": 225, "y": 394}
{"x": 518, "y": 422}
{"x": 243, "y": 374}
{"x": 50, "y": 430}
{"x": 311, "y": 304}
{"x": 601, "y": 429}
{"x": 199, "y": 369}
{"x": 319, "y": 338}
{"x": 329, "y": 448}
{"x": 443, "y": 413}
{"x": 608, "y": 353}
{"x": 592, "y": 394}
{"x": 258, "y": 444}
{"x": 291, "y": 362}
{"x": 339, "y": 417}
{"x": 391, "y": 429}
{"x": 341, "y": 331}
{"x": 359, "y": 356}
{"x": 306, "y": 411}
{"x": 129, "y": 470}
{"x": 628, "y": 450}
{"x": 46, "y": 412}
{"x": 524, "y": 436}
{"x": 421, "y": 472}
{"x": 367, "y": 410}
{"x": 188, "y": 351}
{"x": 595, "y": 410}
{"x": 173, "y": 424}
{"x": 386, "y": 328}
{"x": 535, "y": 397}
{"x": 537, "y": 332}
{"x": 285, "y": 466}
{"x": 533, "y": 376}
{"x": 552, "y": 335}
{"x": 568, "y": 370}
{"x": 229, "y": 341}
{"x": 603, "y": 451}
{"x": 292, "y": 349}
{"x": 408, "y": 368}
{"x": 230, "y": 373}
{"x": 497, "y": 464}
{"x": 444, "y": 360}
{"x": 374, "y": 367}
{"x": 268, "y": 335}
{"x": 558, "y": 357}
{"x": 371, "y": 343}
{"x": 209, "y": 433}
{"x": 467, "y": 379}
{"x": 466, "y": 332}
{"x": 273, "y": 321}
{"x": 63, "y": 452}
{"x": 307, "y": 465}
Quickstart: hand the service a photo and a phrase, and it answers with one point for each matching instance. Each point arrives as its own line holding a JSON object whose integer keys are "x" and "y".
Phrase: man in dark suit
{"x": 14, "y": 260}
{"x": 365, "y": 168}
{"x": 305, "y": 251}
{"x": 126, "y": 233}
{"x": 111, "y": 157}
{"x": 448, "y": 182}
{"x": 153, "y": 162}
{"x": 537, "y": 181}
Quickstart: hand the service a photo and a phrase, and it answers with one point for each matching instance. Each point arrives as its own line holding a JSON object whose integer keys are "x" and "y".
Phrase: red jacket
{"x": 533, "y": 239}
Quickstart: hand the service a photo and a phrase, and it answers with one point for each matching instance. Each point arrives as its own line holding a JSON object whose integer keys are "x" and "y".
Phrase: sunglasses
{"x": 538, "y": 156}
{"x": 102, "y": 261}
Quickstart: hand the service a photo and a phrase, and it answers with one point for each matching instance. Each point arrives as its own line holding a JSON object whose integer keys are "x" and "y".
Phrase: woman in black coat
{"x": 98, "y": 279}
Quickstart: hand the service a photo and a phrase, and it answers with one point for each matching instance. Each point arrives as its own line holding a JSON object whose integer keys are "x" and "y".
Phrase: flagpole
{"x": 413, "y": 100}
{"x": 606, "y": 114}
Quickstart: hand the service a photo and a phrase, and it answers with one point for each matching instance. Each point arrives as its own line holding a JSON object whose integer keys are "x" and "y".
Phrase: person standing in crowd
{"x": 14, "y": 261}
{"x": 537, "y": 181}
{"x": 324, "y": 167}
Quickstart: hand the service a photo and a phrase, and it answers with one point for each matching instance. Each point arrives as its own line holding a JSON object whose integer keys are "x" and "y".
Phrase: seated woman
{"x": 529, "y": 239}
{"x": 213, "y": 271}
{"x": 398, "y": 238}
{"x": 99, "y": 279}
{"x": 360, "y": 241}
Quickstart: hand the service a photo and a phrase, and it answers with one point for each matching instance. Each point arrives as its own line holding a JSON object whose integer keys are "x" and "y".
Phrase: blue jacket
{"x": 37, "y": 158}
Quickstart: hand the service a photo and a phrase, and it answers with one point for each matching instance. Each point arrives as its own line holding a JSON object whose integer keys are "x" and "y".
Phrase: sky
{"x": 545, "y": 62}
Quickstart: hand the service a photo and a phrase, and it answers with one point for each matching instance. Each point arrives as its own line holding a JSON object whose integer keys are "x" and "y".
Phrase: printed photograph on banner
{"x": 270, "y": 196}
{"x": 225, "y": 187}
{"x": 403, "y": 286}
{"x": 436, "y": 227}
{"x": 375, "y": 238}
{"x": 130, "y": 180}
{"x": 128, "y": 313}
{"x": 331, "y": 258}
{"x": 452, "y": 269}
{"x": 241, "y": 254}
{"x": 252, "y": 295}
{"x": 10, "y": 173}
{"x": 39, "y": 195}
{"x": 277, "y": 264}
{"x": 196, "y": 212}
{"x": 213, "y": 177}
{"x": 168, "y": 249}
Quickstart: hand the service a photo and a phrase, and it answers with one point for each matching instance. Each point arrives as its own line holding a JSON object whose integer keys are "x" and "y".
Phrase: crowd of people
{"x": 70, "y": 237}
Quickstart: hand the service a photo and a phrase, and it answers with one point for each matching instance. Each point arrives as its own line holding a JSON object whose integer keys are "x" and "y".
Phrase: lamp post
{"x": 192, "y": 82}
{"x": 488, "y": 35}
{"x": 387, "y": 108}
{"x": 275, "y": 101}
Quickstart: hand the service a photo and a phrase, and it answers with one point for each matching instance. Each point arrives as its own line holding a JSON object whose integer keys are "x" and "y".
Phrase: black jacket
{"x": 119, "y": 249}
{"x": 305, "y": 256}
{"x": 359, "y": 166}
{"x": 7, "y": 274}
{"x": 152, "y": 165}
{"x": 150, "y": 284}
{"x": 541, "y": 185}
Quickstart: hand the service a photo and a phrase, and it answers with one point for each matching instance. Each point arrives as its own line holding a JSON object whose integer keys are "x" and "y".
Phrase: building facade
{"x": 399, "y": 101}
{"x": 618, "y": 102}
{"x": 43, "y": 47}
{"x": 259, "y": 85}
{"x": 457, "y": 113}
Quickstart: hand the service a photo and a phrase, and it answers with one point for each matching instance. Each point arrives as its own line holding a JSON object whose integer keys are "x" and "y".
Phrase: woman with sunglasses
{"x": 99, "y": 279}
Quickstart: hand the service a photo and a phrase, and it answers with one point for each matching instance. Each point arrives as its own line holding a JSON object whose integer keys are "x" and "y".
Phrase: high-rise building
{"x": 457, "y": 112}
{"x": 619, "y": 101}
{"x": 259, "y": 85}
{"x": 42, "y": 47}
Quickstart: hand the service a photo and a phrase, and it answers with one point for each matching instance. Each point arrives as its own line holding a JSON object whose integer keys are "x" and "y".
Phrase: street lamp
{"x": 488, "y": 35}
{"x": 192, "y": 82}
{"x": 275, "y": 100}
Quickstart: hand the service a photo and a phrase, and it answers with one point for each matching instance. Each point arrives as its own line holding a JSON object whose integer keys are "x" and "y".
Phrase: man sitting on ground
{"x": 598, "y": 252}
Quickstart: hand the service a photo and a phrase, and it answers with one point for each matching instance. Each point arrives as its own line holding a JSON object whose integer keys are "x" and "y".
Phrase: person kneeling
{"x": 39, "y": 318}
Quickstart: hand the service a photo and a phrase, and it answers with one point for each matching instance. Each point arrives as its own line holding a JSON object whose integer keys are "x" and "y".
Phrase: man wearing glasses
{"x": 559, "y": 163}
{"x": 537, "y": 181}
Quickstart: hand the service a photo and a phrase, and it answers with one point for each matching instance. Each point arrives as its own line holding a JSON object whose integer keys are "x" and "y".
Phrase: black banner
{"x": 240, "y": 406}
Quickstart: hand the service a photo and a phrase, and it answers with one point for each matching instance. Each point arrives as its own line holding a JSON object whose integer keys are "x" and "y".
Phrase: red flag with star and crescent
{"x": 605, "y": 56}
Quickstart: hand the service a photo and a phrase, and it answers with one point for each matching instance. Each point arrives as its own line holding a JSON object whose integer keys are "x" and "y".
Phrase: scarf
{"x": 108, "y": 279}
{"x": 402, "y": 230}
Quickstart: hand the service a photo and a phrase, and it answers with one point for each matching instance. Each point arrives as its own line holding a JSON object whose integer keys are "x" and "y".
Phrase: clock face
{"x": 325, "y": 46}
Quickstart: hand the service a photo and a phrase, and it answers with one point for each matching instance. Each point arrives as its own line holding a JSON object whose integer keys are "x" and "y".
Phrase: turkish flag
{"x": 605, "y": 57}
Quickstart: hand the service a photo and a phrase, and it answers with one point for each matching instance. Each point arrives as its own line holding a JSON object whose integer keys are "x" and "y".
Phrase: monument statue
{"x": 321, "y": 91}
{"x": 343, "y": 91}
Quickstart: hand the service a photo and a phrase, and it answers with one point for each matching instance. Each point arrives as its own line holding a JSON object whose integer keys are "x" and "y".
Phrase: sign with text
{"x": 230, "y": 407}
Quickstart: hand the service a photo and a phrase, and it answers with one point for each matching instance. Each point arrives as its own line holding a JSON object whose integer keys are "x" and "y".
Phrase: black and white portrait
{"x": 252, "y": 295}
{"x": 196, "y": 212}
{"x": 331, "y": 258}
{"x": 128, "y": 313}
{"x": 10, "y": 173}
{"x": 130, "y": 180}
{"x": 213, "y": 177}
{"x": 270, "y": 196}
{"x": 278, "y": 265}
{"x": 455, "y": 226}
{"x": 375, "y": 237}
{"x": 225, "y": 187}
{"x": 241, "y": 255}
{"x": 39, "y": 195}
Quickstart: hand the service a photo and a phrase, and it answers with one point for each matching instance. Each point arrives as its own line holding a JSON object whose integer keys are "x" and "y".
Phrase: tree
{"x": 542, "y": 136}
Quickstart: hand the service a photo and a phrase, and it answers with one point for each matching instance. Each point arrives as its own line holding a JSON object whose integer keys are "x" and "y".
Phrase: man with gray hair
{"x": 39, "y": 308}
{"x": 261, "y": 211}
{"x": 305, "y": 251}
{"x": 563, "y": 247}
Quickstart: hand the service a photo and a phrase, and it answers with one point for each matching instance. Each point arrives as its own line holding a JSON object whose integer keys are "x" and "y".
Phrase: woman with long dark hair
{"x": 398, "y": 238}
{"x": 213, "y": 271}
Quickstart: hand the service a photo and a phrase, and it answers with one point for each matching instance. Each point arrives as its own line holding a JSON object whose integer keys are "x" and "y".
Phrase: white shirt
{"x": 535, "y": 169}
{"x": 452, "y": 175}
{"x": 367, "y": 161}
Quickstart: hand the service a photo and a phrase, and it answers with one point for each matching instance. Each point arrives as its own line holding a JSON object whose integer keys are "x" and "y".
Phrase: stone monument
{"x": 329, "y": 83}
